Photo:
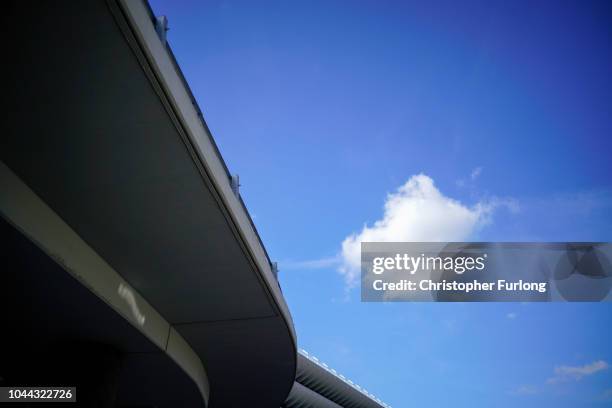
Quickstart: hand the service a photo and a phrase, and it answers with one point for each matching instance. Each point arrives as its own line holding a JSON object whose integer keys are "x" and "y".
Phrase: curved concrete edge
{"x": 180, "y": 351}
{"x": 137, "y": 13}
{"x": 22, "y": 208}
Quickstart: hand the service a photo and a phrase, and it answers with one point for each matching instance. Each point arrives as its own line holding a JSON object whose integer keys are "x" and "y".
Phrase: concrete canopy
{"x": 103, "y": 129}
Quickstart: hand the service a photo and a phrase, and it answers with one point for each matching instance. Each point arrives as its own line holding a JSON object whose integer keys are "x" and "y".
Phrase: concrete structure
{"x": 132, "y": 268}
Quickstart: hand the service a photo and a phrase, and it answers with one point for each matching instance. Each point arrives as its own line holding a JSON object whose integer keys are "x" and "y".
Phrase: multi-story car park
{"x": 131, "y": 268}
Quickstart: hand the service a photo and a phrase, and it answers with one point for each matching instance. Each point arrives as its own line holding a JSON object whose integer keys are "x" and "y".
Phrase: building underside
{"x": 132, "y": 268}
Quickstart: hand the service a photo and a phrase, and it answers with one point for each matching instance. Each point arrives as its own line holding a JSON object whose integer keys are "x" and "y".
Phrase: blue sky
{"x": 325, "y": 108}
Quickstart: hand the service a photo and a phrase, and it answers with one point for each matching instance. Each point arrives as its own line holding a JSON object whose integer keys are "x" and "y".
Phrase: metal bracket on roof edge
{"x": 235, "y": 183}
{"x": 274, "y": 266}
{"x": 161, "y": 26}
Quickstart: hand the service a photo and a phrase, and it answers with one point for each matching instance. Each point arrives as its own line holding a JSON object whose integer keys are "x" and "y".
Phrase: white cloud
{"x": 512, "y": 315}
{"x": 566, "y": 373}
{"x": 417, "y": 211}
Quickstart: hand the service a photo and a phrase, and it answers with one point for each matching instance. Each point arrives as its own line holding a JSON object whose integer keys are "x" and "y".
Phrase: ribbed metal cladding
{"x": 323, "y": 382}
{"x": 302, "y": 397}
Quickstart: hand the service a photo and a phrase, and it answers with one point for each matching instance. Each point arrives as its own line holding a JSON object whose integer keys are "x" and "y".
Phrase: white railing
{"x": 341, "y": 377}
